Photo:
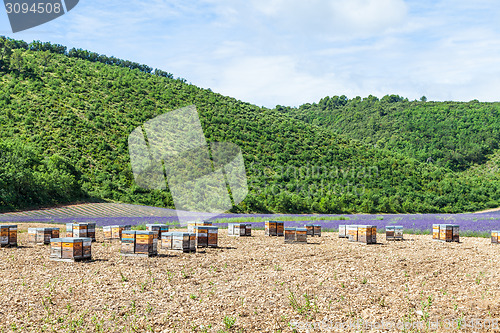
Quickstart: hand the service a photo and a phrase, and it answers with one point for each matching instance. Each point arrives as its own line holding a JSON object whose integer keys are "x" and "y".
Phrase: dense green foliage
{"x": 454, "y": 135}
{"x": 83, "y": 111}
{"x": 26, "y": 179}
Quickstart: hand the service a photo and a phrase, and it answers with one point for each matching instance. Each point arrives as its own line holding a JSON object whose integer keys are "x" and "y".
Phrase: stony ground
{"x": 256, "y": 284}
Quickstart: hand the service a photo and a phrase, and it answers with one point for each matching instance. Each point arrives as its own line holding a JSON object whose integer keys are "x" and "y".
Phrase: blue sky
{"x": 291, "y": 52}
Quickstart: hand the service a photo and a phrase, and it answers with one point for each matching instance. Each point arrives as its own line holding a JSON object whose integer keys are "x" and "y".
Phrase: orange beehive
{"x": 436, "y": 231}
{"x": 71, "y": 249}
{"x": 274, "y": 228}
{"x": 290, "y": 235}
{"x": 495, "y": 236}
{"x": 301, "y": 235}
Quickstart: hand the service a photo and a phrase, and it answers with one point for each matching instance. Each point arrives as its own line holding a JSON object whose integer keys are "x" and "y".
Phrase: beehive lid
{"x": 113, "y": 226}
{"x": 8, "y": 226}
{"x": 301, "y": 229}
{"x": 455, "y": 225}
{"x": 72, "y": 240}
{"x": 57, "y": 240}
{"x": 155, "y": 225}
{"x": 211, "y": 227}
{"x": 177, "y": 233}
{"x": 398, "y": 226}
{"x": 130, "y": 232}
{"x": 291, "y": 228}
{"x": 144, "y": 232}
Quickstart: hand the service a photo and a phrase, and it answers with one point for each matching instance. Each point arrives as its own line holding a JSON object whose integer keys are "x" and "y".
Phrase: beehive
{"x": 8, "y": 235}
{"x": 191, "y": 225}
{"x": 290, "y": 234}
{"x": 274, "y": 228}
{"x": 367, "y": 234}
{"x": 449, "y": 233}
{"x": 158, "y": 228}
{"x": 313, "y": 230}
{"x": 114, "y": 232}
{"x": 436, "y": 231}
{"x": 206, "y": 236}
{"x": 301, "y": 235}
{"x": 446, "y": 233}
{"x": 239, "y": 229}
{"x": 343, "y": 231}
{"x": 139, "y": 243}
{"x": 180, "y": 241}
{"x": 389, "y": 233}
{"x": 398, "y": 232}
{"x": 456, "y": 233}
{"x": 81, "y": 230}
{"x": 42, "y": 235}
{"x": 394, "y": 233}
{"x": 270, "y": 228}
{"x": 146, "y": 243}
{"x": 495, "y": 236}
{"x": 352, "y": 233}
{"x": 71, "y": 249}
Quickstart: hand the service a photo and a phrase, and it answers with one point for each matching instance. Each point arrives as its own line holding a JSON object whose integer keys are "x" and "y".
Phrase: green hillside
{"x": 65, "y": 117}
{"x": 454, "y": 135}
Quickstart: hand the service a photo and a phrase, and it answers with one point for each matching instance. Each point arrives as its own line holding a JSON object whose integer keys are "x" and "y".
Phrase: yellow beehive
{"x": 495, "y": 236}
{"x": 71, "y": 249}
{"x": 436, "y": 231}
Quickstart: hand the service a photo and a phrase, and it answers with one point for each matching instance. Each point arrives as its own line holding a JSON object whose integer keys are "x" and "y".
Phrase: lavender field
{"x": 111, "y": 213}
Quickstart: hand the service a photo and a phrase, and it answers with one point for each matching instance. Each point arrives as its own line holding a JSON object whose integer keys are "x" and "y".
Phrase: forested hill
{"x": 455, "y": 135}
{"x": 65, "y": 117}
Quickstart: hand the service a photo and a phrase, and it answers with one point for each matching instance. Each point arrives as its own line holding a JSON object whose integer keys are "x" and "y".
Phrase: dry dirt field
{"x": 256, "y": 284}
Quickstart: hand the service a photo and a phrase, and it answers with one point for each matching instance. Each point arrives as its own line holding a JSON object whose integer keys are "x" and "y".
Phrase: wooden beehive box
{"x": 280, "y": 229}
{"x": 239, "y": 229}
{"x": 365, "y": 234}
{"x": 313, "y": 229}
{"x": 393, "y": 233}
{"x": 127, "y": 242}
{"x": 290, "y": 235}
{"x": 191, "y": 225}
{"x": 32, "y": 235}
{"x": 390, "y": 233}
{"x": 114, "y": 232}
{"x": 179, "y": 241}
{"x": 8, "y": 235}
{"x": 206, "y": 236}
{"x": 352, "y": 233}
{"x": 495, "y": 236}
{"x": 274, "y": 228}
{"x": 310, "y": 229}
{"x": 81, "y": 230}
{"x": 71, "y": 249}
{"x": 436, "y": 231}
{"x": 146, "y": 243}
{"x": 271, "y": 228}
{"x": 42, "y": 235}
{"x": 343, "y": 231}
{"x": 456, "y": 233}
{"x": 158, "y": 228}
{"x": 446, "y": 233}
{"x": 301, "y": 235}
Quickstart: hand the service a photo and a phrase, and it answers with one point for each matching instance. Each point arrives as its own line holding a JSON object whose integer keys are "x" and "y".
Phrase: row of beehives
{"x": 366, "y": 234}
{"x": 292, "y": 234}
{"x": 446, "y": 232}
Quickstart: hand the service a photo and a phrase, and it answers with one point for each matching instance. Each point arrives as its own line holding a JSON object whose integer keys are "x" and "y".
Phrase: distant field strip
{"x": 116, "y": 213}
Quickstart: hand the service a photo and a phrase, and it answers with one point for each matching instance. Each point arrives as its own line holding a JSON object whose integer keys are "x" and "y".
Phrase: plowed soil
{"x": 255, "y": 284}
